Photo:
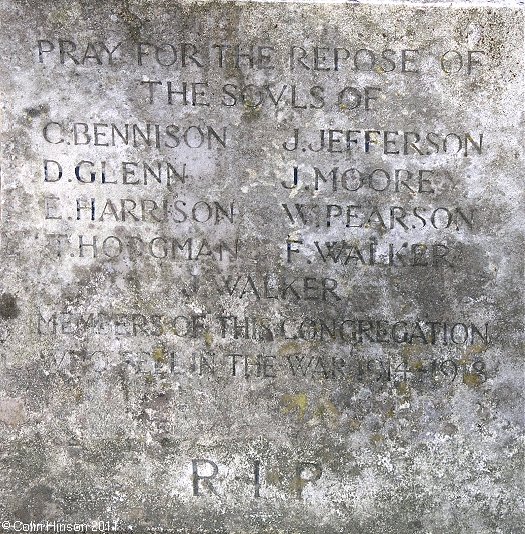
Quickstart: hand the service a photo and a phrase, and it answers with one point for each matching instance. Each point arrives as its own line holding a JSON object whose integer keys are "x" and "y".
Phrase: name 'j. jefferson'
{"x": 385, "y": 142}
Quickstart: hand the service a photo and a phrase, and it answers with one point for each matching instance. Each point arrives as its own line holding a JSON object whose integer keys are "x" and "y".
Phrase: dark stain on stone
{"x": 417, "y": 525}
{"x": 36, "y": 111}
{"x": 34, "y": 503}
{"x": 8, "y": 306}
{"x": 132, "y": 21}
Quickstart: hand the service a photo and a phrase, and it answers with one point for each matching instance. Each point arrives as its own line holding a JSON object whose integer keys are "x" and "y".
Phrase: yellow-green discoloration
{"x": 289, "y": 348}
{"x": 208, "y": 338}
{"x": 159, "y": 355}
{"x": 327, "y": 410}
{"x": 475, "y": 349}
{"x": 295, "y": 403}
{"x": 472, "y": 380}
{"x": 376, "y": 438}
{"x": 403, "y": 390}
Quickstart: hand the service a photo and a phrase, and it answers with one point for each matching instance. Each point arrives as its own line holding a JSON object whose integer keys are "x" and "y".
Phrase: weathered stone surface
{"x": 262, "y": 266}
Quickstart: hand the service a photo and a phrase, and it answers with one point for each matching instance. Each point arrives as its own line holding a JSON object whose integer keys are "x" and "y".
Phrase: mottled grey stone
{"x": 262, "y": 266}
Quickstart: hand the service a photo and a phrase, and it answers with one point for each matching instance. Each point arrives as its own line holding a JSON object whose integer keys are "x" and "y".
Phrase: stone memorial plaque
{"x": 261, "y": 267}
